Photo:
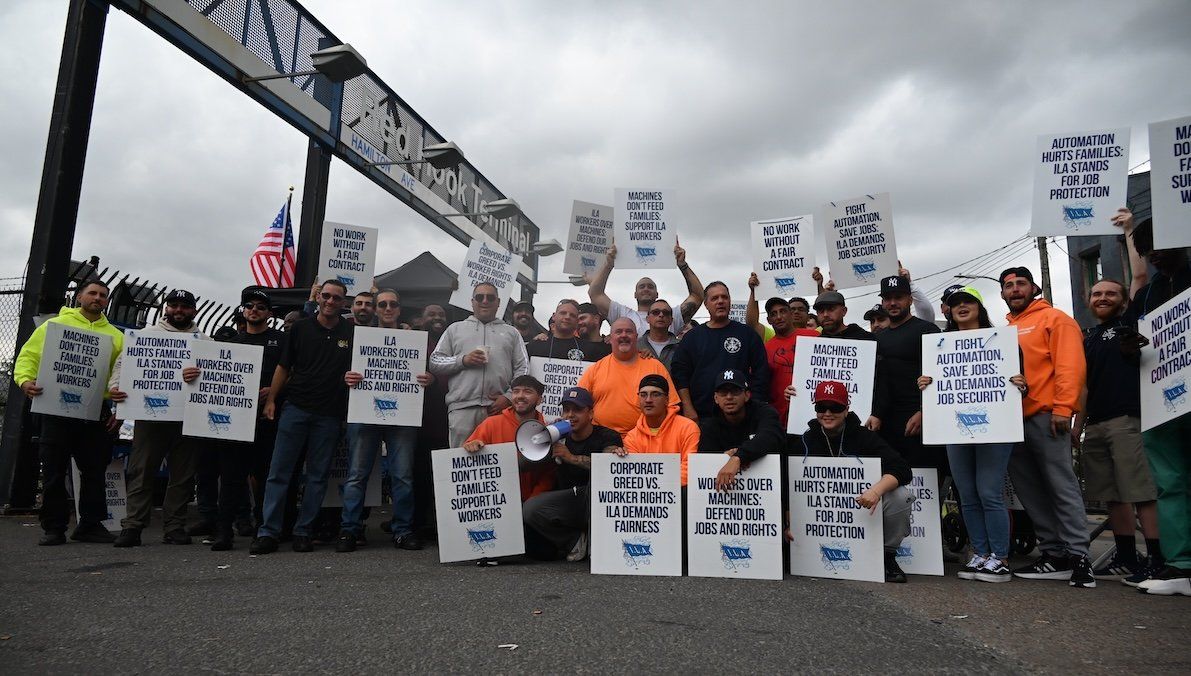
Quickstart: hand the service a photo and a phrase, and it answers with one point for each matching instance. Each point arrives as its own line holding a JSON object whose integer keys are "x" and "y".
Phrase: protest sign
{"x": 1080, "y": 180}
{"x": 151, "y": 374}
{"x": 222, "y": 402}
{"x": 390, "y": 361}
{"x": 558, "y": 375}
{"x": 971, "y": 400}
{"x": 114, "y": 489}
{"x": 736, "y": 312}
{"x": 646, "y": 228}
{"x": 486, "y": 262}
{"x": 636, "y": 514}
{"x": 1170, "y": 182}
{"x": 348, "y": 254}
{"x": 73, "y": 372}
{"x": 851, "y": 362}
{"x": 477, "y": 497}
{"x": 1166, "y": 362}
{"x": 921, "y": 552}
{"x": 337, "y": 477}
{"x": 589, "y": 238}
{"x": 833, "y": 535}
{"x": 784, "y": 257}
{"x": 737, "y": 532}
{"x": 860, "y": 243}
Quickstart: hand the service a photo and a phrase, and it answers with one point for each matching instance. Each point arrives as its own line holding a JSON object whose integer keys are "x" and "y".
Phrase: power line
{"x": 918, "y": 279}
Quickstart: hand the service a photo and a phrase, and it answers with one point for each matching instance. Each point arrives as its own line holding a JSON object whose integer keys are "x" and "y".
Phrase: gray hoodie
{"x": 481, "y": 385}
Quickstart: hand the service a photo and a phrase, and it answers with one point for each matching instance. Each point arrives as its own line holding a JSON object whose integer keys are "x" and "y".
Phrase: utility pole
{"x": 1045, "y": 264}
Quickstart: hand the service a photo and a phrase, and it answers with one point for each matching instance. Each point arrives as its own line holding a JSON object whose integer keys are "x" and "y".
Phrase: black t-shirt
{"x": 1160, "y": 290}
{"x": 570, "y": 476}
{"x": 1114, "y": 385}
{"x": 899, "y": 364}
{"x": 273, "y": 341}
{"x": 317, "y": 358}
{"x": 576, "y": 349}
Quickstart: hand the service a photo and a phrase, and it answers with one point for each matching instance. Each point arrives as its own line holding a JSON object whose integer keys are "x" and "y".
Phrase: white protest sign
{"x": 636, "y": 514}
{"x": 589, "y": 238}
{"x": 1166, "y": 362}
{"x": 851, "y": 362}
{"x": 73, "y": 372}
{"x": 646, "y": 228}
{"x": 1080, "y": 180}
{"x": 485, "y": 262}
{"x": 860, "y": 243}
{"x": 477, "y": 497}
{"x": 348, "y": 254}
{"x": 784, "y": 257}
{"x": 114, "y": 489}
{"x": 558, "y": 375}
{"x": 1170, "y": 182}
{"x": 737, "y": 532}
{"x": 971, "y": 400}
{"x": 390, "y": 361}
{"x": 337, "y": 478}
{"x": 151, "y": 374}
{"x": 222, "y": 402}
{"x": 921, "y": 552}
{"x": 736, "y": 312}
{"x": 833, "y": 535}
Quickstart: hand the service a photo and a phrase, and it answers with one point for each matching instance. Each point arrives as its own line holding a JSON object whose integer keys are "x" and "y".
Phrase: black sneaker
{"x": 176, "y": 536}
{"x": 263, "y": 545}
{"x": 346, "y": 542}
{"x": 893, "y": 572}
{"x": 303, "y": 543}
{"x": 1118, "y": 568}
{"x": 994, "y": 570}
{"x": 1045, "y": 567}
{"x": 244, "y": 528}
{"x": 222, "y": 541}
{"x": 1148, "y": 569}
{"x": 51, "y": 539}
{"x": 408, "y": 541}
{"x": 361, "y": 539}
{"x": 1081, "y": 573}
{"x": 201, "y": 528}
{"x": 968, "y": 572}
{"x": 129, "y": 537}
{"x": 92, "y": 532}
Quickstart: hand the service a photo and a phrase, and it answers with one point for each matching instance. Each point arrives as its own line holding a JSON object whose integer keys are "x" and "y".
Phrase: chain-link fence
{"x": 10, "y": 313}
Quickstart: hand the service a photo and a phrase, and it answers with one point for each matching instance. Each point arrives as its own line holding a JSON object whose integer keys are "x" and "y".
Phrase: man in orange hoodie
{"x": 526, "y": 391}
{"x": 1051, "y": 346}
{"x": 660, "y": 429}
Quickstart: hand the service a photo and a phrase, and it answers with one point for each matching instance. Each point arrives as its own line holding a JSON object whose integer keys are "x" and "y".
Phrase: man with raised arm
{"x": 645, "y": 293}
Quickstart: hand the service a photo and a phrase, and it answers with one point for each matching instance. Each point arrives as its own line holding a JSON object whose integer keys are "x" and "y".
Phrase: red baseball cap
{"x": 831, "y": 390}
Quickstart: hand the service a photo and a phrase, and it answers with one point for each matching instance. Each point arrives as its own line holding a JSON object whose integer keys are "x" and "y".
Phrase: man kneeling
{"x": 556, "y": 521}
{"x": 836, "y": 432}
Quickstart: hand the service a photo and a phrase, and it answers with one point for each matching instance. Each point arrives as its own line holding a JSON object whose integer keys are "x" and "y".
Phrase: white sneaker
{"x": 579, "y": 551}
{"x": 1167, "y": 582}
{"x": 968, "y": 572}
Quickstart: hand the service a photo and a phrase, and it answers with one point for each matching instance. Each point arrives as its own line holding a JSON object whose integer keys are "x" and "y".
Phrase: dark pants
{"x": 255, "y": 463}
{"x": 558, "y": 518}
{"x": 232, "y": 460}
{"x": 91, "y": 447}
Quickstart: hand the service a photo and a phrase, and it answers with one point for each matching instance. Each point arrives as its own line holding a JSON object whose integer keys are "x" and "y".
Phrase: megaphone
{"x": 535, "y": 439}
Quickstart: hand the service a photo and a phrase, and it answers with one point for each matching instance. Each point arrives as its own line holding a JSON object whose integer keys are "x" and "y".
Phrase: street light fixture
{"x": 438, "y": 155}
{"x": 991, "y": 279}
{"x": 546, "y": 247}
{"x": 339, "y": 64}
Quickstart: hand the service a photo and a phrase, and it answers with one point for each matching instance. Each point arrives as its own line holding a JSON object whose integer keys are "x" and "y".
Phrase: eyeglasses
{"x": 485, "y": 298}
{"x": 259, "y": 307}
{"x": 662, "y": 313}
{"x": 331, "y": 296}
{"x": 829, "y": 407}
{"x": 386, "y": 304}
{"x": 651, "y": 394}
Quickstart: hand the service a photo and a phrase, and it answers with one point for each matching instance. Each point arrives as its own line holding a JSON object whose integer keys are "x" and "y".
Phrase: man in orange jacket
{"x": 526, "y": 391}
{"x": 1051, "y": 345}
{"x": 660, "y": 429}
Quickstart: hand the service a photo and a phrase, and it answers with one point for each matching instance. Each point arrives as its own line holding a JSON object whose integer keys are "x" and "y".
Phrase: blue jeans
{"x": 298, "y": 429}
{"x": 363, "y": 443}
{"x": 979, "y": 474}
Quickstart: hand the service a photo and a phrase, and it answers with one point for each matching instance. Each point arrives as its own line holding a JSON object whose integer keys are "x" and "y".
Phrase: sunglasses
{"x": 829, "y": 407}
{"x": 386, "y": 304}
{"x": 485, "y": 297}
{"x": 331, "y": 296}
{"x": 662, "y": 313}
{"x": 259, "y": 307}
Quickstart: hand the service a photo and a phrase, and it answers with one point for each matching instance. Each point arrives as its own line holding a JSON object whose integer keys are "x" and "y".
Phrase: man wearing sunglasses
{"x": 310, "y": 372}
{"x": 645, "y": 293}
{"x": 836, "y": 432}
{"x": 388, "y": 310}
{"x": 481, "y": 356}
{"x": 660, "y": 341}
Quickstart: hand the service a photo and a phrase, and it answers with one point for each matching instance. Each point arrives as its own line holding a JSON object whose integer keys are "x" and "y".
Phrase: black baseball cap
{"x": 950, "y": 290}
{"x": 894, "y": 284}
{"x": 579, "y": 397}
{"x": 731, "y": 378}
{"x": 255, "y": 295}
{"x": 1019, "y": 271}
{"x": 769, "y": 304}
{"x": 180, "y": 297}
{"x": 875, "y": 311}
{"x": 523, "y": 304}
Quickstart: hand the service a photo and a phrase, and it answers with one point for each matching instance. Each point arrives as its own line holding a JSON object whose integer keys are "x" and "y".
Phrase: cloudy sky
{"x": 749, "y": 110}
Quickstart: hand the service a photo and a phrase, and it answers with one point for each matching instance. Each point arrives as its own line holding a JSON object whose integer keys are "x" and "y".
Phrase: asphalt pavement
{"x": 84, "y": 608}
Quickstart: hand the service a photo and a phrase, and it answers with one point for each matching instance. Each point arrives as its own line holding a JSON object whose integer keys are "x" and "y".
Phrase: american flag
{"x": 275, "y": 258}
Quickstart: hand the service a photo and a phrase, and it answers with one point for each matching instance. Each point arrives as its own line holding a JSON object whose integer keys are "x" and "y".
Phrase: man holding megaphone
{"x": 525, "y": 394}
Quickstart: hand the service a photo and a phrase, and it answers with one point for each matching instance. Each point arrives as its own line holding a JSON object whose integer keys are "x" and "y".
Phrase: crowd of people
{"x": 659, "y": 382}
